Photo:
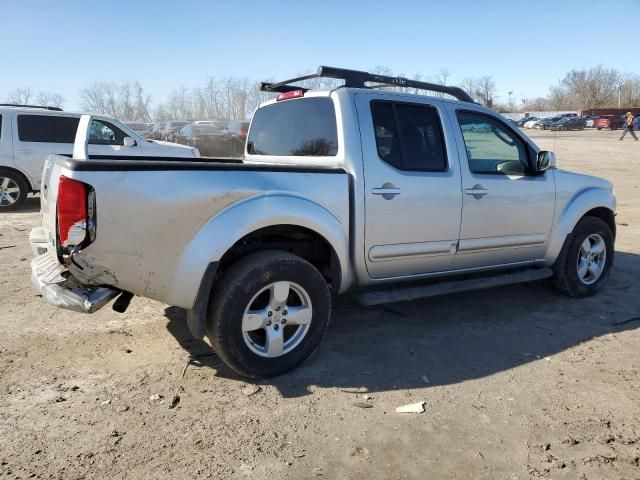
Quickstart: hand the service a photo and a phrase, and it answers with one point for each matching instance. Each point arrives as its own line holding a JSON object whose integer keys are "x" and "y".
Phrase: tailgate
{"x": 48, "y": 193}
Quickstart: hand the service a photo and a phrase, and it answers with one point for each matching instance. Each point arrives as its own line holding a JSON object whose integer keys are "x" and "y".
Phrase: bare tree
{"x": 50, "y": 99}
{"x": 99, "y": 97}
{"x": 558, "y": 98}
{"x": 142, "y": 104}
{"x": 596, "y": 87}
{"x": 630, "y": 90}
{"x": 24, "y": 96}
{"x": 126, "y": 101}
{"x": 486, "y": 90}
{"x": 469, "y": 85}
{"x": 20, "y": 95}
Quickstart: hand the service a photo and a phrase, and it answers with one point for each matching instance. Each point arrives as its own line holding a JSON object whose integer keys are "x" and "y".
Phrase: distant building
{"x": 611, "y": 111}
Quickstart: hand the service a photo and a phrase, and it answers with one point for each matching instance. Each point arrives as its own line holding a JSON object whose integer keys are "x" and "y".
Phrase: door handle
{"x": 477, "y": 191}
{"x": 388, "y": 191}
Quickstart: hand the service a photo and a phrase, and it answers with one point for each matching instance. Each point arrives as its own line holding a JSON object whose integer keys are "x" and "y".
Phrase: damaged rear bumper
{"x": 59, "y": 288}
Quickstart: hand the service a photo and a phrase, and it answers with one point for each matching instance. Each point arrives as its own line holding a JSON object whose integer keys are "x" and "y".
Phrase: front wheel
{"x": 269, "y": 314}
{"x": 585, "y": 260}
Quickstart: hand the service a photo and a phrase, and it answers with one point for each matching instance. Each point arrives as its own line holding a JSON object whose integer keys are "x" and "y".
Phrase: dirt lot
{"x": 522, "y": 382}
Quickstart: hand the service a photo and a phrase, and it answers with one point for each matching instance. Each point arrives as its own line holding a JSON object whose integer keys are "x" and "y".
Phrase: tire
{"x": 13, "y": 190}
{"x": 568, "y": 279}
{"x": 250, "y": 285}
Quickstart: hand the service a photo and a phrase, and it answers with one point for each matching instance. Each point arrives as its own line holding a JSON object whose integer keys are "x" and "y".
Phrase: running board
{"x": 403, "y": 294}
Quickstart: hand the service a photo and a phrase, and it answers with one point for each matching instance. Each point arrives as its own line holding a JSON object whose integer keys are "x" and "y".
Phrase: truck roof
{"x": 342, "y": 90}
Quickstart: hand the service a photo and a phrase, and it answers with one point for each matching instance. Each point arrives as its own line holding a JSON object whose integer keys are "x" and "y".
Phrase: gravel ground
{"x": 519, "y": 382}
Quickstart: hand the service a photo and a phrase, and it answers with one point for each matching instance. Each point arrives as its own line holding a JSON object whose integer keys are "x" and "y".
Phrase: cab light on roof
{"x": 290, "y": 95}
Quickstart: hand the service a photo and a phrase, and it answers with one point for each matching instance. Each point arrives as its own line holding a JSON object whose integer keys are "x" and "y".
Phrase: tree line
{"x": 234, "y": 98}
{"x": 596, "y": 87}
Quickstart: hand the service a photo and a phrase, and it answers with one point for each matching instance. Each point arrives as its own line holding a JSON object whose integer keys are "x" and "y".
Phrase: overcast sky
{"x": 527, "y": 46}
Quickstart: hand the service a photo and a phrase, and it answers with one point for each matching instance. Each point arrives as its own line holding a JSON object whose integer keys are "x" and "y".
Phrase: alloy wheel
{"x": 277, "y": 319}
{"x": 9, "y": 191}
{"x": 592, "y": 258}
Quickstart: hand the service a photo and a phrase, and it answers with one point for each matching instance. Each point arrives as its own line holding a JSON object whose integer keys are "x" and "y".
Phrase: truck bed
{"x": 161, "y": 221}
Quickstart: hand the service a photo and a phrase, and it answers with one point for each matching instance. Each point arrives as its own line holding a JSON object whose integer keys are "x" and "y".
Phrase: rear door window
{"x": 47, "y": 128}
{"x": 409, "y": 136}
{"x": 304, "y": 127}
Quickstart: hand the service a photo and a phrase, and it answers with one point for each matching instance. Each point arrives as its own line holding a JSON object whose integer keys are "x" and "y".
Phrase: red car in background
{"x": 609, "y": 121}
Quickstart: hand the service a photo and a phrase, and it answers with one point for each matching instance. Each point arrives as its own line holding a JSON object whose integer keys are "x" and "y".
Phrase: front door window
{"x": 491, "y": 147}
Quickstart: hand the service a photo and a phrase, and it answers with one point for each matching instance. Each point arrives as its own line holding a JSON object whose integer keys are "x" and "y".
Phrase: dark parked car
{"x": 545, "y": 123}
{"x": 171, "y": 129}
{"x": 611, "y": 122}
{"x": 215, "y": 138}
{"x": 157, "y": 131}
{"x": 569, "y": 123}
{"x": 238, "y": 132}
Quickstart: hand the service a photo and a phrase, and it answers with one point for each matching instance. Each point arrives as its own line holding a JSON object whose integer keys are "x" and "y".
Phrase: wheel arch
{"x": 23, "y": 175}
{"x": 591, "y": 202}
{"x": 285, "y": 222}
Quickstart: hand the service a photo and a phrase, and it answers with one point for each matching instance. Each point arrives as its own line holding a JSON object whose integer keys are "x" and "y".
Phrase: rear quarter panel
{"x": 158, "y": 230}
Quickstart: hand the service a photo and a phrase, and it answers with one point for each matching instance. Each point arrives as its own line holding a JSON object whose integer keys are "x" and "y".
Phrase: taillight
{"x": 289, "y": 95}
{"x": 242, "y": 133}
{"x": 73, "y": 211}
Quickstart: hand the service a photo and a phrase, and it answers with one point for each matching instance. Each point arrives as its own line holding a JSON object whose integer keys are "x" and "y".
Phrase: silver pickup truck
{"x": 393, "y": 196}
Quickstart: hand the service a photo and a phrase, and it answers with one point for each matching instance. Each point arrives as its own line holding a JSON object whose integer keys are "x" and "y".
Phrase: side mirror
{"x": 545, "y": 161}
{"x": 129, "y": 142}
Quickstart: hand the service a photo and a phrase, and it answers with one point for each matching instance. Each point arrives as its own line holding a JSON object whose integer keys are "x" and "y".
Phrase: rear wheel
{"x": 585, "y": 260}
{"x": 13, "y": 190}
{"x": 269, "y": 314}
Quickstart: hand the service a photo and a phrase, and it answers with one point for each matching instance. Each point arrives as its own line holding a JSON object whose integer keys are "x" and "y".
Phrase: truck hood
{"x": 576, "y": 182}
{"x": 170, "y": 149}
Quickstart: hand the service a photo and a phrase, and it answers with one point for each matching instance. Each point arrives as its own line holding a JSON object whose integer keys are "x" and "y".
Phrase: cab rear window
{"x": 305, "y": 127}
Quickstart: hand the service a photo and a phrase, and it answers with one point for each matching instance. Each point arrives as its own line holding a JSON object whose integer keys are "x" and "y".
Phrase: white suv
{"x": 29, "y": 134}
